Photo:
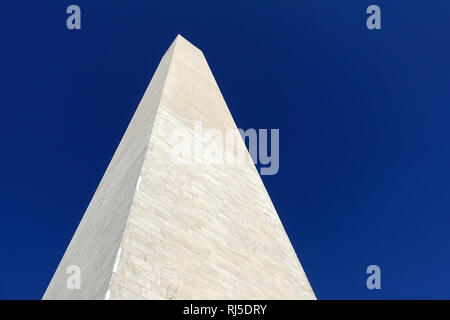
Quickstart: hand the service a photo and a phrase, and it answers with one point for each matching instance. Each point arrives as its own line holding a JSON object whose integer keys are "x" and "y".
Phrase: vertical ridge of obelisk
{"x": 170, "y": 52}
{"x": 94, "y": 246}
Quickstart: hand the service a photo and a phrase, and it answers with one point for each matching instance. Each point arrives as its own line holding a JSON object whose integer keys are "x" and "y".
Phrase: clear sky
{"x": 363, "y": 116}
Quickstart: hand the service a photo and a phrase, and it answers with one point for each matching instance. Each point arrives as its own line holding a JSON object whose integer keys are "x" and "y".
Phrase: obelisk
{"x": 160, "y": 229}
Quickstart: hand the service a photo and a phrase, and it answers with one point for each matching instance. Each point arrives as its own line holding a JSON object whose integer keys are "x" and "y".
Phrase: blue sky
{"x": 363, "y": 116}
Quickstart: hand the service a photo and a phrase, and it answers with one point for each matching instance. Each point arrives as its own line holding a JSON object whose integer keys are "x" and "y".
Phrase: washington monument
{"x": 158, "y": 229}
